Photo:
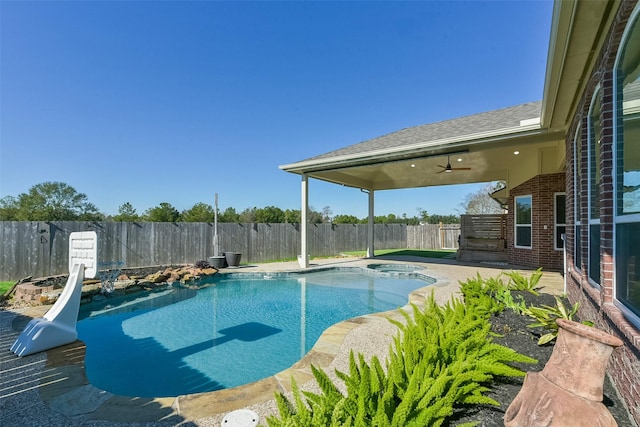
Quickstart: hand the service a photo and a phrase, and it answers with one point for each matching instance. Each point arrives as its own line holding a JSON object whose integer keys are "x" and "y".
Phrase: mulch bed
{"x": 516, "y": 335}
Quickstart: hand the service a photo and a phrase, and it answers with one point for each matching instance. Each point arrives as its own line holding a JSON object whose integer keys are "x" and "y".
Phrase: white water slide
{"x": 58, "y": 326}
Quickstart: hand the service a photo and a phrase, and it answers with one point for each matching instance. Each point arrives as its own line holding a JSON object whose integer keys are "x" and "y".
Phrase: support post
{"x": 303, "y": 258}
{"x": 370, "y": 227}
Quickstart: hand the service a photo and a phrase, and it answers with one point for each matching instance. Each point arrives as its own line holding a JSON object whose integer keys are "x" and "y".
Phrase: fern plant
{"x": 481, "y": 293}
{"x": 441, "y": 358}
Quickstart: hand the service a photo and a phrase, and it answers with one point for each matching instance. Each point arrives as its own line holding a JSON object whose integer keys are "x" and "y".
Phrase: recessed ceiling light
{"x": 516, "y": 152}
{"x": 460, "y": 159}
{"x": 413, "y": 165}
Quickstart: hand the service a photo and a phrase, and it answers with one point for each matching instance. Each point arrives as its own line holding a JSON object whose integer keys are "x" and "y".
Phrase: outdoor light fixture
{"x": 516, "y": 152}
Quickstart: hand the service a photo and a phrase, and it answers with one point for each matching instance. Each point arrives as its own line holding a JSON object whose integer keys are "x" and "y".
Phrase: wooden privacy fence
{"x": 483, "y": 238}
{"x": 41, "y": 248}
{"x": 433, "y": 236}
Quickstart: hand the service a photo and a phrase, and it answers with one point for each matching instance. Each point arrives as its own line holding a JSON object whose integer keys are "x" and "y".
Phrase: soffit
{"x": 578, "y": 31}
{"x": 489, "y": 159}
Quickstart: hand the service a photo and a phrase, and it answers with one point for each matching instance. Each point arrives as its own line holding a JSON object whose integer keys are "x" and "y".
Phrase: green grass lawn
{"x": 4, "y": 287}
{"x": 430, "y": 253}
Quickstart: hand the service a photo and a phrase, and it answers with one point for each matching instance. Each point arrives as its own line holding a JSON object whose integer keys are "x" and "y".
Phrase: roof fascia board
{"x": 561, "y": 24}
{"x": 565, "y": 86}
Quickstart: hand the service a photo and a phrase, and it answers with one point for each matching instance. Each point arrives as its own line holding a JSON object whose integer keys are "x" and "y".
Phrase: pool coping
{"x": 72, "y": 395}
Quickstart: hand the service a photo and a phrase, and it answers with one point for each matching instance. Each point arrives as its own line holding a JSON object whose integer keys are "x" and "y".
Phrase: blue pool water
{"x": 239, "y": 329}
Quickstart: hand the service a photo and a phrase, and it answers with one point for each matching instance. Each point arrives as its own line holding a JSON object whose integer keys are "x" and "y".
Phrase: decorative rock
{"x": 157, "y": 277}
{"x": 209, "y": 271}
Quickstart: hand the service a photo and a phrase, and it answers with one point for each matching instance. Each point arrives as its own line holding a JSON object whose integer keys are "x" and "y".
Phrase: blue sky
{"x": 150, "y": 102}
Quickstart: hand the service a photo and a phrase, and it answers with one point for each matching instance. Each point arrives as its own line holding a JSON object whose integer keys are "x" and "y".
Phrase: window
{"x": 577, "y": 197}
{"x": 559, "y": 220}
{"x": 523, "y": 222}
{"x": 627, "y": 172}
{"x": 594, "y": 138}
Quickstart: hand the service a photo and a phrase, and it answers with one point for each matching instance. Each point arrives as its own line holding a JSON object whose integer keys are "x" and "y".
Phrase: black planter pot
{"x": 233, "y": 258}
{"x": 218, "y": 262}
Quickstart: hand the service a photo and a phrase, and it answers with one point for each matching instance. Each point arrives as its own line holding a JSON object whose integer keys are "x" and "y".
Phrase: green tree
{"x": 388, "y": 219}
{"x": 346, "y": 219}
{"x": 248, "y": 216}
{"x": 200, "y": 212}
{"x": 270, "y": 214}
{"x": 445, "y": 219}
{"x": 292, "y": 216}
{"x": 229, "y": 215}
{"x": 164, "y": 212}
{"x": 126, "y": 213}
{"x": 423, "y": 215}
{"x": 8, "y": 208}
{"x": 51, "y": 201}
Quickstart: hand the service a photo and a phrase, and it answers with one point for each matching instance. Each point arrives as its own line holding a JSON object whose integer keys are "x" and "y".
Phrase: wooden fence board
{"x": 41, "y": 248}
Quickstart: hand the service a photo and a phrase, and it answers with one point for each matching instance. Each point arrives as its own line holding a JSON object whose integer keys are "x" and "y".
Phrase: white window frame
{"x": 516, "y": 225}
{"x": 577, "y": 205}
{"x": 617, "y": 218}
{"x": 592, "y": 221}
{"x": 556, "y": 224}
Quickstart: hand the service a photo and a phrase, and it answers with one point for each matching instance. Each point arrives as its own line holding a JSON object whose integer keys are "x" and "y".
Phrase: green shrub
{"x": 517, "y": 282}
{"x": 546, "y": 318}
{"x": 443, "y": 357}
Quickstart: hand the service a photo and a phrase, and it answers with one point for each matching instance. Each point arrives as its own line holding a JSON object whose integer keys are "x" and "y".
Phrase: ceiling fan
{"x": 448, "y": 168}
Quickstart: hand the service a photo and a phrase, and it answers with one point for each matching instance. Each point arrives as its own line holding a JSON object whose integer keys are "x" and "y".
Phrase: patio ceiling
{"x": 412, "y": 157}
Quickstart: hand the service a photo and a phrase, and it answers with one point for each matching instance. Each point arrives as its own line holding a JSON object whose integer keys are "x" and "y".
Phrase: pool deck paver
{"x": 51, "y": 388}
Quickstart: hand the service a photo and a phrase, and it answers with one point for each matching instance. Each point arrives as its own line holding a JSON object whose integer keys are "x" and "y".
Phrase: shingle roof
{"x": 490, "y": 121}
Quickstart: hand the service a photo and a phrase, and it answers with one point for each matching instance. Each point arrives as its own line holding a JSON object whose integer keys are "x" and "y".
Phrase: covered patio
{"x": 509, "y": 145}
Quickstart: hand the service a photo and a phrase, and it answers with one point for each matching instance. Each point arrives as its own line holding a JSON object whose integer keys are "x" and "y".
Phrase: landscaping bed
{"x": 516, "y": 335}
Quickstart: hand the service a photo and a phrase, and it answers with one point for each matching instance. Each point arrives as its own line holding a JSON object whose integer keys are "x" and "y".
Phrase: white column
{"x": 370, "y": 233}
{"x": 303, "y": 258}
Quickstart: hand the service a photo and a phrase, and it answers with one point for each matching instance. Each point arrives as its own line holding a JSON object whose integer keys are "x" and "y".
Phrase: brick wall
{"x": 542, "y": 189}
{"x": 596, "y": 301}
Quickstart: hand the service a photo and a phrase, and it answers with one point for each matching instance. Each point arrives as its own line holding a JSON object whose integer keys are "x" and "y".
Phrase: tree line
{"x": 57, "y": 201}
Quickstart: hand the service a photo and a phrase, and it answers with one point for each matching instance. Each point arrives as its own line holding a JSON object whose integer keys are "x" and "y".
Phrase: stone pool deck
{"x": 51, "y": 389}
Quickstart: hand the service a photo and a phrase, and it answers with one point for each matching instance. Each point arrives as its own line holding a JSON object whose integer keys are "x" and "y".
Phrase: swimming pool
{"x": 235, "y": 329}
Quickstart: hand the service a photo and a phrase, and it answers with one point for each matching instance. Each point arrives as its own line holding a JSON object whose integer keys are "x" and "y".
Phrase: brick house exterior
{"x": 597, "y": 300}
{"x": 542, "y": 189}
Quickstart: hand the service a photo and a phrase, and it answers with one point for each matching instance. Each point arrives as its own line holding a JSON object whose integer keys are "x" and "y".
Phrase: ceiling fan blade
{"x": 440, "y": 166}
{"x": 461, "y": 169}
